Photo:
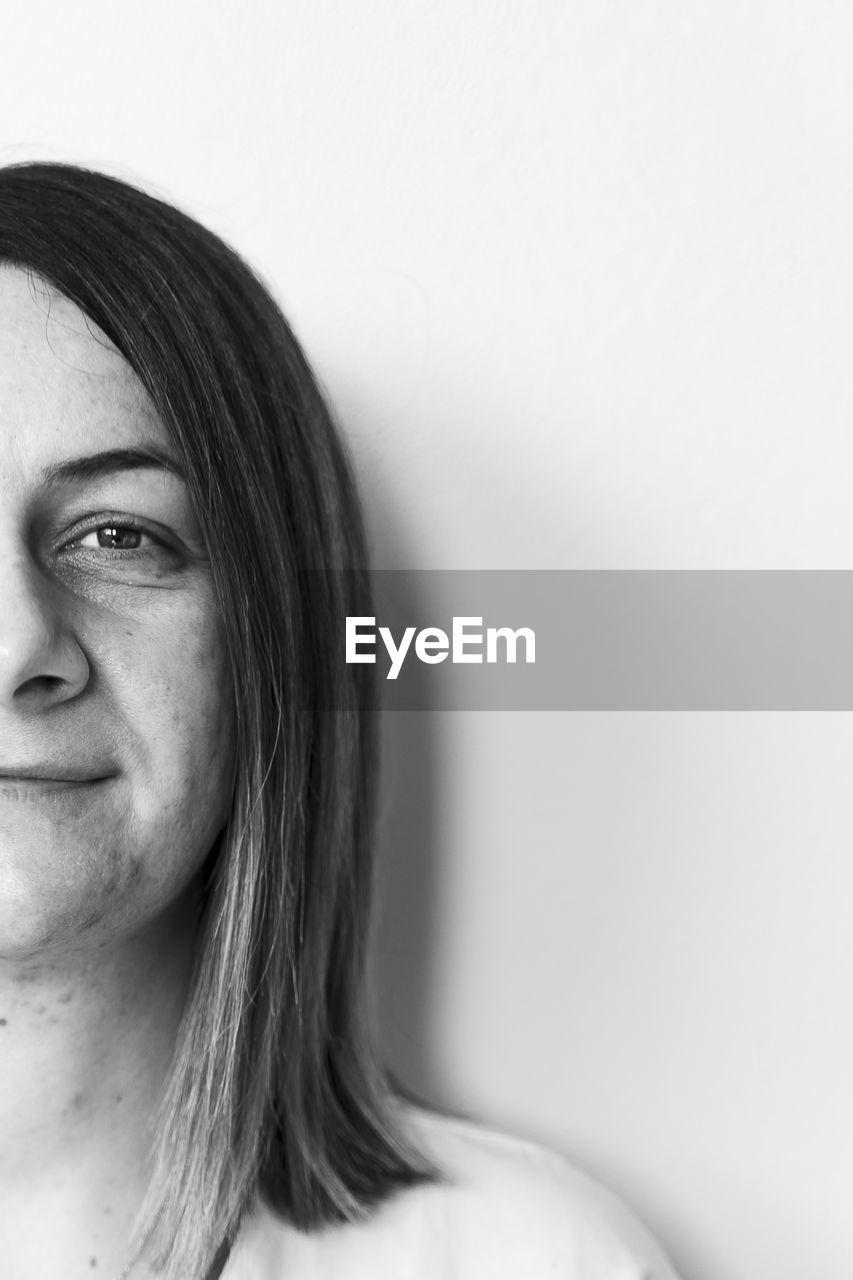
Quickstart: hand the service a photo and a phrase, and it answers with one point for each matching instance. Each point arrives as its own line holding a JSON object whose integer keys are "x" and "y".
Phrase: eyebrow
{"x": 92, "y": 466}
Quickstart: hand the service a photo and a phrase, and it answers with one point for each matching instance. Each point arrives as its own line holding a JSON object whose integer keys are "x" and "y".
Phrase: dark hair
{"x": 274, "y": 1086}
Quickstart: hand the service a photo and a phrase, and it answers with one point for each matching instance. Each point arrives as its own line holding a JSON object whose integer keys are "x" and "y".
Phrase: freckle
{"x": 2, "y": 1022}
{"x": 65, "y": 998}
{"x": 77, "y": 1101}
{"x": 119, "y": 1097}
{"x": 93, "y": 1262}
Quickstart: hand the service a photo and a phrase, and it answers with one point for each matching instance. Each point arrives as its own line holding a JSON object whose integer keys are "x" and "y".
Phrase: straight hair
{"x": 275, "y": 1088}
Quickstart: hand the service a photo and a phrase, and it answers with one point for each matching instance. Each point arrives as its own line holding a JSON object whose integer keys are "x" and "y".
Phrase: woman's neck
{"x": 86, "y": 1038}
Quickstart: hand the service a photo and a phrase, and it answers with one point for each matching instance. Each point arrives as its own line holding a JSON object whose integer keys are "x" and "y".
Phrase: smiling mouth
{"x": 25, "y": 780}
{"x": 56, "y": 772}
{"x": 31, "y": 782}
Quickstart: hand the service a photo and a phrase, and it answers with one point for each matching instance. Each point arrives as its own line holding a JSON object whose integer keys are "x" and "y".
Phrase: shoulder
{"x": 502, "y": 1209}
{"x": 532, "y": 1212}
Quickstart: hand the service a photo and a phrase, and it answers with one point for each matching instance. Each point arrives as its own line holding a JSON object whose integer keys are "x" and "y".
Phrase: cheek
{"x": 184, "y": 712}
{"x": 172, "y": 704}
{"x": 181, "y": 711}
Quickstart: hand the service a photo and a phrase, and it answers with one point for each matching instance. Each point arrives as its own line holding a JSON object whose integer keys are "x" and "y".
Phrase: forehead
{"x": 64, "y": 389}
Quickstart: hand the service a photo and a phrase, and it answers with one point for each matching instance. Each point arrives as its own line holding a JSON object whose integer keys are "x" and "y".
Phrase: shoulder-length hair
{"x": 274, "y": 1087}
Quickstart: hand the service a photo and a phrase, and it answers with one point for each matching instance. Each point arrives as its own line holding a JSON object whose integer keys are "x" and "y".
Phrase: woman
{"x": 187, "y": 1086}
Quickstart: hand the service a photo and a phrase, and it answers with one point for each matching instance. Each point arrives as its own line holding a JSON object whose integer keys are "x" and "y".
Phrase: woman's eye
{"x": 114, "y": 537}
{"x": 118, "y": 548}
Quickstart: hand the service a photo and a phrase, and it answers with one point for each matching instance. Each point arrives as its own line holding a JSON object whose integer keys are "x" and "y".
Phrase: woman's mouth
{"x": 31, "y": 782}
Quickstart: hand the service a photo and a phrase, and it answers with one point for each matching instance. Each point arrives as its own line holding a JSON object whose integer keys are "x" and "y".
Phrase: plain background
{"x": 579, "y": 280}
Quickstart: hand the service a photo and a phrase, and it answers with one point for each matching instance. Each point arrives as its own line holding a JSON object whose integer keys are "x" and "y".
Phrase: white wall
{"x": 579, "y": 278}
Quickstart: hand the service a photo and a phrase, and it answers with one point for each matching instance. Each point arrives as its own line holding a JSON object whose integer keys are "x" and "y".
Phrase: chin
{"x": 39, "y": 915}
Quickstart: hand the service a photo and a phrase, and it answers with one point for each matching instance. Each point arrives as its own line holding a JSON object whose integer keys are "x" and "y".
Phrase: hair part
{"x": 274, "y": 1088}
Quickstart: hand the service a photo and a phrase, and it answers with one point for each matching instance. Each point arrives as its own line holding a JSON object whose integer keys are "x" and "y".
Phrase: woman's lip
{"x": 29, "y": 790}
{"x": 16, "y": 784}
{"x": 68, "y": 777}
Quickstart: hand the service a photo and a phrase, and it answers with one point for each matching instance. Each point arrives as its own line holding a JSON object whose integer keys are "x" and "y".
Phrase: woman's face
{"x": 116, "y": 710}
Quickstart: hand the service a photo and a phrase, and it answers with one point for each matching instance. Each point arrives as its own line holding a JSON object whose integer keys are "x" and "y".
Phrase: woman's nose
{"x": 41, "y": 661}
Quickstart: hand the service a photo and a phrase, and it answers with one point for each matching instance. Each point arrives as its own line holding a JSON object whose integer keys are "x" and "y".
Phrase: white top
{"x": 508, "y": 1210}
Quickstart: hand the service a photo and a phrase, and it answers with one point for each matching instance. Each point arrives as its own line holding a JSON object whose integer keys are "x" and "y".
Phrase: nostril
{"x": 34, "y": 674}
{"x": 46, "y": 687}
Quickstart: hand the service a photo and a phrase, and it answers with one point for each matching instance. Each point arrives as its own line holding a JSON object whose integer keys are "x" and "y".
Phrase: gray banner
{"x": 710, "y": 640}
